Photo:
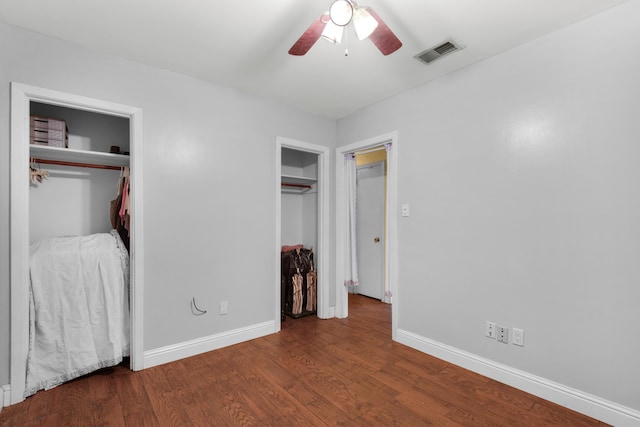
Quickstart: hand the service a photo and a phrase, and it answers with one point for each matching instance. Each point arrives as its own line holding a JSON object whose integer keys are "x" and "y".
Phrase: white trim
{"x": 278, "y": 237}
{"x": 322, "y": 251}
{"x": 137, "y": 242}
{"x": 5, "y": 397}
{"x": 391, "y": 242}
{"x": 21, "y": 96}
{"x": 590, "y": 405}
{"x": 19, "y": 252}
{"x": 174, "y": 352}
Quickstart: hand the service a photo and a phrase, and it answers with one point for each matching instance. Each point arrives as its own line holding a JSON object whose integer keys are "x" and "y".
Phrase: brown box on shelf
{"x": 49, "y": 131}
{"x": 48, "y": 134}
{"x": 40, "y": 122}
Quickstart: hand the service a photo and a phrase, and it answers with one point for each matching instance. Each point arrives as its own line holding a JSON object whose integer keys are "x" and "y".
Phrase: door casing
{"x": 21, "y": 97}
{"x": 391, "y": 224}
{"x": 324, "y": 311}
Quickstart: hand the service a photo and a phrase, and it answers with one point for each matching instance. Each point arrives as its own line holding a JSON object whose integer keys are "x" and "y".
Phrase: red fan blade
{"x": 309, "y": 37}
{"x": 382, "y": 36}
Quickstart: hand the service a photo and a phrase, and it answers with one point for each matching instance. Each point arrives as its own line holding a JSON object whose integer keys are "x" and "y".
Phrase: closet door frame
{"x": 21, "y": 97}
{"x": 322, "y": 251}
{"x": 391, "y": 225}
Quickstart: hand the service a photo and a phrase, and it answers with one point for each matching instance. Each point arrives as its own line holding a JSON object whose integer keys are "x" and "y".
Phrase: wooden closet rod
{"x": 286, "y": 184}
{"x": 77, "y": 164}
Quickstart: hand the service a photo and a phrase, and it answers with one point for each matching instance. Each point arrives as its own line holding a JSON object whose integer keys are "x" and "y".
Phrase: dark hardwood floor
{"x": 313, "y": 373}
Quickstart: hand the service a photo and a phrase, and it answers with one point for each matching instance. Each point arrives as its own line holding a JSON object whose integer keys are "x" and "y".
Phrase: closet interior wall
{"x": 300, "y": 206}
{"x": 75, "y": 200}
{"x": 299, "y": 215}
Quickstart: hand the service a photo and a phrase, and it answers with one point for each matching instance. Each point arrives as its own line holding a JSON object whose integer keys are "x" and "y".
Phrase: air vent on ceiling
{"x": 436, "y": 52}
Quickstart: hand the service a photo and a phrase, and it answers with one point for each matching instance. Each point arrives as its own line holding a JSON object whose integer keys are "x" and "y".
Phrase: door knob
{"x": 376, "y": 239}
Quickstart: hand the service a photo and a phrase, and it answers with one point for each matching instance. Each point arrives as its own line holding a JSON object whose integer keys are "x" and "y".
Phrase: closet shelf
{"x": 290, "y": 179}
{"x": 78, "y": 156}
{"x": 296, "y": 184}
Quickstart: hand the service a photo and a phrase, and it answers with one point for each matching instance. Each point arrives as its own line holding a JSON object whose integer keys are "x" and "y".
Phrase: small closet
{"x": 299, "y": 228}
{"x": 79, "y": 316}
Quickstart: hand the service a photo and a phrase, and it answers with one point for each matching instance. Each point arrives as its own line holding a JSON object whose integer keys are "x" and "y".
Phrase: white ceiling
{"x": 244, "y": 44}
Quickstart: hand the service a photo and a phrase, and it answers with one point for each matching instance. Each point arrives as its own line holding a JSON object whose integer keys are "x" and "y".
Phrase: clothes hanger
{"x": 36, "y": 175}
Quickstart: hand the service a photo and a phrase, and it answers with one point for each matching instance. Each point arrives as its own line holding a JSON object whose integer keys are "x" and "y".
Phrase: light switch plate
{"x": 518, "y": 337}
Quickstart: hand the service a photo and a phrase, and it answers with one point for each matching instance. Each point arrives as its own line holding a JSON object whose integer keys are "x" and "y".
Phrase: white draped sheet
{"x": 79, "y": 308}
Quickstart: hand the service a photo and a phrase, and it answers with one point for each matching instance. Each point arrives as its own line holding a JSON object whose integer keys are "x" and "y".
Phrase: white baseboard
{"x": 179, "y": 351}
{"x": 593, "y": 406}
{"x": 5, "y": 397}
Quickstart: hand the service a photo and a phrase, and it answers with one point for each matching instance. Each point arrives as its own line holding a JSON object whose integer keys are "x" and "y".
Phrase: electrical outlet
{"x": 503, "y": 334}
{"x": 518, "y": 337}
{"x": 224, "y": 307}
{"x": 490, "y": 330}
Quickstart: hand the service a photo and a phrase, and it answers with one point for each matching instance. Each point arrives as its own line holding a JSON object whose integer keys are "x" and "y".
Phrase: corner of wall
{"x": 5, "y": 397}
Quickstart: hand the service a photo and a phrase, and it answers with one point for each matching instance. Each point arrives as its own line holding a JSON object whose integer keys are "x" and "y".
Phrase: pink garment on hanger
{"x": 125, "y": 205}
{"x": 125, "y": 195}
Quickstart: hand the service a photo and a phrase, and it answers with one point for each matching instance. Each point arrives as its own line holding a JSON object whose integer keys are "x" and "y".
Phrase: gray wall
{"x": 299, "y": 210}
{"x": 209, "y": 183}
{"x": 523, "y": 179}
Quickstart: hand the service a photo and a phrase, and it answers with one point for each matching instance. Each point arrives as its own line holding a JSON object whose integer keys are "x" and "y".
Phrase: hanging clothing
{"x": 115, "y": 204}
{"x": 312, "y": 288}
{"x": 124, "y": 207}
{"x": 119, "y": 207}
{"x": 299, "y": 282}
{"x": 297, "y": 294}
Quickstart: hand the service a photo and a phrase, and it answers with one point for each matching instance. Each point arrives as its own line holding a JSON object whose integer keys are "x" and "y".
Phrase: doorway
{"x": 312, "y": 173}
{"x": 390, "y": 141}
{"x": 21, "y": 98}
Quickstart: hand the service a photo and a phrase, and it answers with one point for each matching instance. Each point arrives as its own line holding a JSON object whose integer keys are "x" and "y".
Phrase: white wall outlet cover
{"x": 490, "y": 330}
{"x": 503, "y": 334}
{"x": 224, "y": 307}
{"x": 518, "y": 336}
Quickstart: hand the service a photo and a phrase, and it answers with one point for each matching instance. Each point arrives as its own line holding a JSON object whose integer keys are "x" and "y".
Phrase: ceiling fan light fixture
{"x": 332, "y": 33}
{"x": 364, "y": 23}
{"x": 341, "y": 12}
{"x": 330, "y": 26}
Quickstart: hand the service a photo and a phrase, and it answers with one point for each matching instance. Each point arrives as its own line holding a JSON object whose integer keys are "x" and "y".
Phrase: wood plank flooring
{"x": 313, "y": 373}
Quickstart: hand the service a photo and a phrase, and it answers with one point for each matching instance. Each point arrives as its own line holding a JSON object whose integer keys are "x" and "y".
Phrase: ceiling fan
{"x": 330, "y": 26}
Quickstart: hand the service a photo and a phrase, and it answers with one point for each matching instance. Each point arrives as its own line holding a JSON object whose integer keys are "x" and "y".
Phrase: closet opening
{"x": 302, "y": 202}
{"x": 79, "y": 268}
{"x": 75, "y": 237}
{"x": 299, "y": 187}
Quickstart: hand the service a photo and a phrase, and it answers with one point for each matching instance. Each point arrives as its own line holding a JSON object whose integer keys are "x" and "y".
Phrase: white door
{"x": 370, "y": 229}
